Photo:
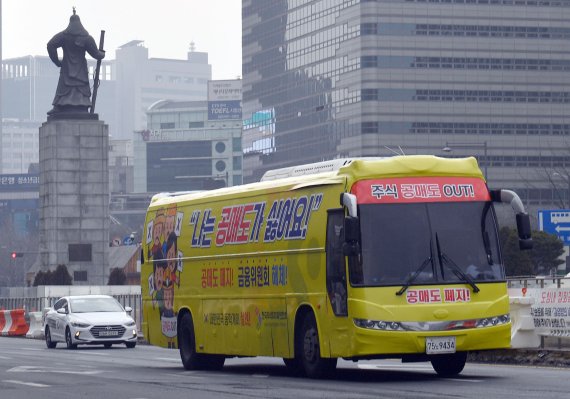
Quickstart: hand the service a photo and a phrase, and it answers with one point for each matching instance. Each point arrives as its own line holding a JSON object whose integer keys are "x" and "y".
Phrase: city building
{"x": 19, "y": 218}
{"x": 129, "y": 85}
{"x": 335, "y": 78}
{"x": 191, "y": 145}
{"x": 142, "y": 81}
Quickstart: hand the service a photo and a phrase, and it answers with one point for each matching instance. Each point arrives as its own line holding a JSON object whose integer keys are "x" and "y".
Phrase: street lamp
{"x": 567, "y": 180}
{"x": 450, "y": 145}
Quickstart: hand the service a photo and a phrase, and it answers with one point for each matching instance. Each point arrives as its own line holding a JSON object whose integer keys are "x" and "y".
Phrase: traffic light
{"x": 15, "y": 255}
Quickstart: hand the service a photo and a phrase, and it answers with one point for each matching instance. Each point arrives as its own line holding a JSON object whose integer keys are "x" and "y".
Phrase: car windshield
{"x": 427, "y": 243}
{"x": 87, "y": 305}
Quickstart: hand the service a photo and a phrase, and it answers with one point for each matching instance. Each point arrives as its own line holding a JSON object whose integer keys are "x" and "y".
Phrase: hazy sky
{"x": 166, "y": 26}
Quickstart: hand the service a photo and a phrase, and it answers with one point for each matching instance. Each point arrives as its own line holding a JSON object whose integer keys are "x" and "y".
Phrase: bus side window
{"x": 336, "y": 266}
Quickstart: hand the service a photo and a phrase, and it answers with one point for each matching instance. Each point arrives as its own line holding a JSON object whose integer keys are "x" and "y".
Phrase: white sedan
{"x": 89, "y": 319}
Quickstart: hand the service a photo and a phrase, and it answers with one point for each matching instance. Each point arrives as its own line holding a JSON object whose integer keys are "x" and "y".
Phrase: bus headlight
{"x": 432, "y": 325}
{"x": 493, "y": 321}
{"x": 378, "y": 325}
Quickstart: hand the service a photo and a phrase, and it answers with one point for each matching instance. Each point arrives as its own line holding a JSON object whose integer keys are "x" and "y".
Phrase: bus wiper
{"x": 454, "y": 268}
{"x": 412, "y": 278}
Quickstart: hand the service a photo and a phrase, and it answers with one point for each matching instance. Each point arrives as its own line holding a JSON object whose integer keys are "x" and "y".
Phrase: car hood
{"x": 102, "y": 318}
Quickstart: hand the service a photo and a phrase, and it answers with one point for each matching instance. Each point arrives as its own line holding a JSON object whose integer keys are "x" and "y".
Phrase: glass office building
{"x": 324, "y": 79}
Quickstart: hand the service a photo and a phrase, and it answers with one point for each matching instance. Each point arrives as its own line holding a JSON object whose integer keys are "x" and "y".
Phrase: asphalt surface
{"x": 29, "y": 370}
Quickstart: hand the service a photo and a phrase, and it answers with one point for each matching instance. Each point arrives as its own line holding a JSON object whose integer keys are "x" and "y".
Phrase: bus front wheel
{"x": 308, "y": 350}
{"x": 449, "y": 365}
{"x": 191, "y": 360}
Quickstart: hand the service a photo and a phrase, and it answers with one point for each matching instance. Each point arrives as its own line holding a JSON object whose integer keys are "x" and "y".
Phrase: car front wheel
{"x": 49, "y": 343}
{"x": 130, "y": 345}
{"x": 69, "y": 340}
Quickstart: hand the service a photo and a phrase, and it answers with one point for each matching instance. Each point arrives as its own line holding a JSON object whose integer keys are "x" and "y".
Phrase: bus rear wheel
{"x": 308, "y": 351}
{"x": 191, "y": 360}
{"x": 449, "y": 365}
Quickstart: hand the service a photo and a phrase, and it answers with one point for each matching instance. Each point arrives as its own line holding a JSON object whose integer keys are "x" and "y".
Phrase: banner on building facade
{"x": 224, "y": 99}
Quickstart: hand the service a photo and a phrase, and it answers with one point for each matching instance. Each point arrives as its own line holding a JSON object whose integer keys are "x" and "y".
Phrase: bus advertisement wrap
{"x": 394, "y": 257}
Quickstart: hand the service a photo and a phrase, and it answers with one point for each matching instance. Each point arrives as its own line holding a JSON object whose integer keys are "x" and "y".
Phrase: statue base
{"x": 63, "y": 115}
{"x": 74, "y": 198}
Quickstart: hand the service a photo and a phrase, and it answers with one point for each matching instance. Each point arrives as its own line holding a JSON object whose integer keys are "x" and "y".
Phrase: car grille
{"x": 107, "y": 331}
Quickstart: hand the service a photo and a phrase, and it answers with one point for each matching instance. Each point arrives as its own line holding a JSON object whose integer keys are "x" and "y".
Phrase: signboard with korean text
{"x": 19, "y": 182}
{"x": 420, "y": 189}
{"x": 551, "y": 309}
{"x": 224, "y": 99}
{"x": 556, "y": 222}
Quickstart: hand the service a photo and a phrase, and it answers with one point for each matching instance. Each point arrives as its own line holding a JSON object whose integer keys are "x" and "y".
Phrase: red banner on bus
{"x": 420, "y": 189}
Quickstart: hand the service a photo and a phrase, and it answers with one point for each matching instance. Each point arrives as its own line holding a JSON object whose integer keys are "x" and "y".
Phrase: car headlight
{"x": 79, "y": 324}
{"x": 130, "y": 323}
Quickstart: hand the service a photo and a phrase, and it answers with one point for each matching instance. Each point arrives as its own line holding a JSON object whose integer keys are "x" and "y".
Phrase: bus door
{"x": 337, "y": 283}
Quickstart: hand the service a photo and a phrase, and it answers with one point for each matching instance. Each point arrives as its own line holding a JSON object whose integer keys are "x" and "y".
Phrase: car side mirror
{"x": 61, "y": 311}
{"x": 128, "y": 309}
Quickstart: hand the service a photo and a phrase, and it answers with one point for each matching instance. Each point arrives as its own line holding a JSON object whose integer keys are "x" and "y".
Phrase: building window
{"x": 194, "y": 125}
{"x": 369, "y": 61}
{"x": 369, "y": 127}
{"x": 236, "y": 143}
{"x": 80, "y": 276}
{"x": 79, "y": 252}
{"x": 369, "y": 94}
{"x": 220, "y": 166}
{"x": 167, "y": 125}
{"x": 220, "y": 147}
{"x": 369, "y": 29}
{"x": 237, "y": 163}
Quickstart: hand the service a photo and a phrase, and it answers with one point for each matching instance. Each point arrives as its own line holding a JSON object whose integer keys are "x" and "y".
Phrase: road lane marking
{"x": 30, "y": 384}
{"x": 35, "y": 369}
{"x": 462, "y": 379}
{"x": 168, "y": 359}
{"x": 394, "y": 367}
{"x": 5, "y": 357}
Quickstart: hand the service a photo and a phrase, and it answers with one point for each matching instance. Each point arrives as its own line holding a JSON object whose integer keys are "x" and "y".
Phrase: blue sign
{"x": 556, "y": 222}
{"x": 221, "y": 110}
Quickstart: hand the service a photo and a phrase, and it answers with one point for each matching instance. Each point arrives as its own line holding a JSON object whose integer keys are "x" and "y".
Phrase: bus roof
{"x": 345, "y": 171}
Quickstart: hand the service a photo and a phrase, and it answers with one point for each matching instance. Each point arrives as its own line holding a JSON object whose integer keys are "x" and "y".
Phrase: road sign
{"x": 556, "y": 222}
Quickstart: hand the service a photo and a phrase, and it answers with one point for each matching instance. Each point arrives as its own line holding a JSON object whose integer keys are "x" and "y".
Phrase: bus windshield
{"x": 439, "y": 242}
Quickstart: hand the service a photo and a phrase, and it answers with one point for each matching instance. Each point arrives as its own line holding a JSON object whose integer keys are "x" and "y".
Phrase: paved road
{"x": 29, "y": 370}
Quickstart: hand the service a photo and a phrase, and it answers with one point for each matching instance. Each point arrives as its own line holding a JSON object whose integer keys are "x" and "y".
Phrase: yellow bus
{"x": 386, "y": 258}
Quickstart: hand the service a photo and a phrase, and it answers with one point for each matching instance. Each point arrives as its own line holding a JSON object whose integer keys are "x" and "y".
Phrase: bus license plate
{"x": 435, "y": 345}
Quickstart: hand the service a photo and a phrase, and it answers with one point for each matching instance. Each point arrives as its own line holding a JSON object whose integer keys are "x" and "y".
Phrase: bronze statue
{"x": 72, "y": 96}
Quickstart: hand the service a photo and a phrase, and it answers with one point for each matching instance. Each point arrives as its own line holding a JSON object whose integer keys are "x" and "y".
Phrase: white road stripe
{"x": 34, "y": 369}
{"x": 5, "y": 357}
{"x": 30, "y": 384}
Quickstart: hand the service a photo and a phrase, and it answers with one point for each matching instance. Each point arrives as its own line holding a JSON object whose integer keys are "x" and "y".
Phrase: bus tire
{"x": 449, "y": 365}
{"x": 293, "y": 365}
{"x": 308, "y": 351}
{"x": 191, "y": 360}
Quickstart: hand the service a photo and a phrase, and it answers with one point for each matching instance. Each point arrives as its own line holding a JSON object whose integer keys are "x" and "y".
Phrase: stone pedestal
{"x": 74, "y": 198}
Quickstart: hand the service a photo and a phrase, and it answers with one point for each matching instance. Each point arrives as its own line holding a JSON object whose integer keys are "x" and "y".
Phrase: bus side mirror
{"x": 351, "y": 245}
{"x": 524, "y": 231}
